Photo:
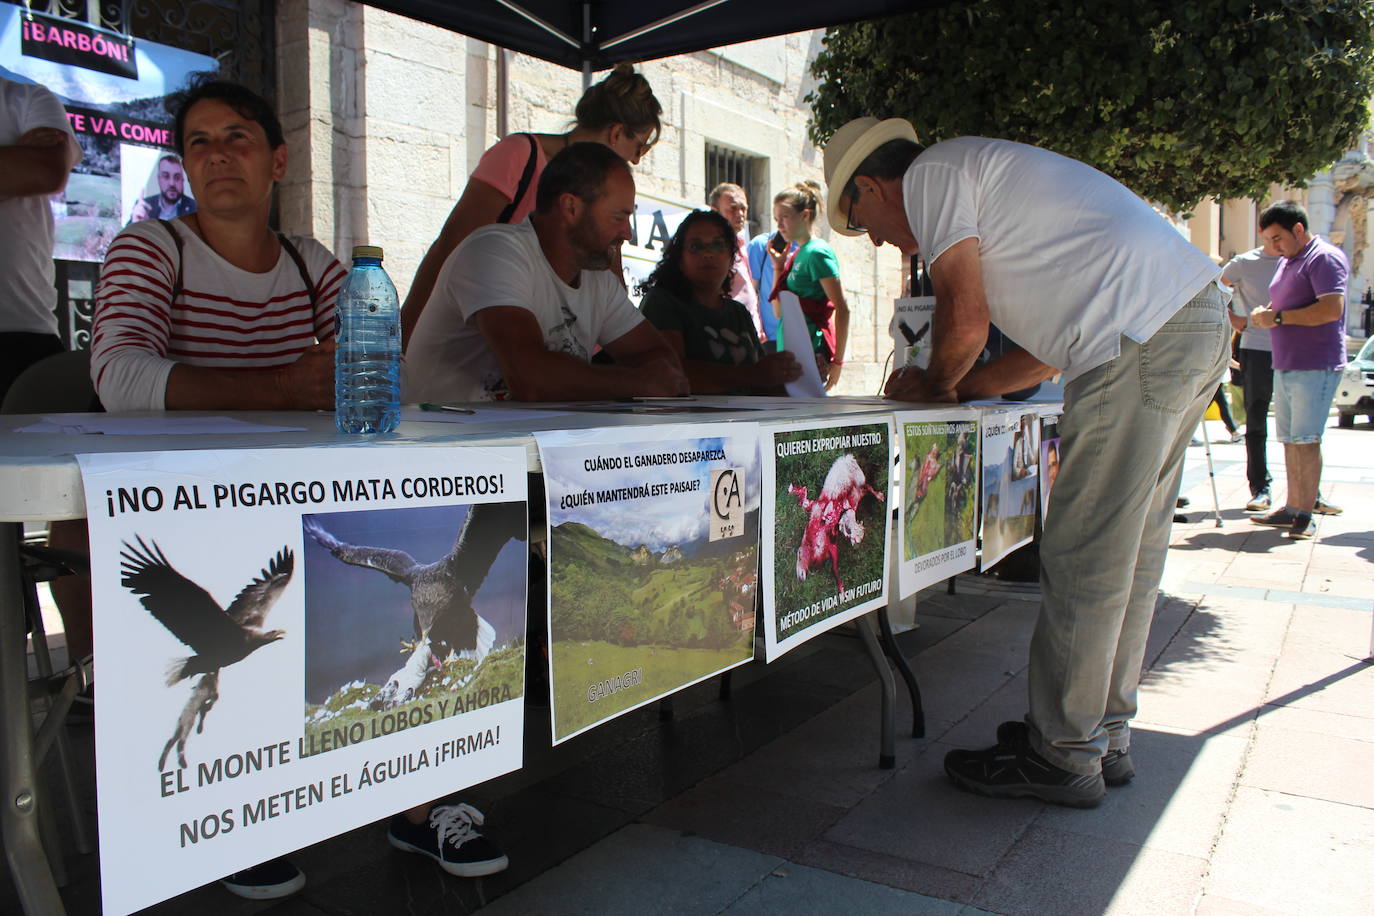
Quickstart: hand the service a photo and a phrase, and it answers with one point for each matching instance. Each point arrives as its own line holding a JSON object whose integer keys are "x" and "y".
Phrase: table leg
{"x": 918, "y": 716}
{"x": 18, "y": 814}
{"x": 887, "y": 753}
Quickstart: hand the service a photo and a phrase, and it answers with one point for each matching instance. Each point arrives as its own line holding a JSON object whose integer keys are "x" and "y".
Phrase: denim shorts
{"x": 1302, "y": 403}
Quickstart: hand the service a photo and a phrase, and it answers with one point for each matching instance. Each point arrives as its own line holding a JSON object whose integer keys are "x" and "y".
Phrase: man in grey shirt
{"x": 1248, "y": 274}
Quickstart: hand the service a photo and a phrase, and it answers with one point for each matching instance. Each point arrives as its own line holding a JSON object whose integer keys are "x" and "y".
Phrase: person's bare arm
{"x": 36, "y": 165}
{"x": 306, "y": 384}
{"x": 960, "y": 324}
{"x": 1012, "y": 371}
{"x": 645, "y": 365}
{"x": 1325, "y": 310}
{"x": 479, "y": 206}
{"x": 835, "y": 293}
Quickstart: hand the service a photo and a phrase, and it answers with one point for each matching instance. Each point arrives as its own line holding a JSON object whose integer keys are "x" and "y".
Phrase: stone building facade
{"x": 386, "y": 117}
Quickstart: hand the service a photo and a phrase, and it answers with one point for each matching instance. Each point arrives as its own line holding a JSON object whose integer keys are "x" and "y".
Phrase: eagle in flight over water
{"x": 218, "y": 636}
{"x": 440, "y": 592}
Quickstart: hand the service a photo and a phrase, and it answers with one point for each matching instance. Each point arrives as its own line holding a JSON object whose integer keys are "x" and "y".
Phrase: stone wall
{"x": 386, "y": 117}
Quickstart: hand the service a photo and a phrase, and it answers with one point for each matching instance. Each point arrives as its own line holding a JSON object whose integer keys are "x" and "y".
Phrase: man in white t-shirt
{"x": 519, "y": 310}
{"x": 37, "y": 152}
{"x": 730, "y": 201}
{"x": 1090, "y": 282}
{"x": 1248, "y": 274}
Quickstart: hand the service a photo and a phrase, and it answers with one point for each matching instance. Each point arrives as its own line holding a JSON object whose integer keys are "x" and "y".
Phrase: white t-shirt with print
{"x": 1071, "y": 259}
{"x": 27, "y": 294}
{"x": 503, "y": 265}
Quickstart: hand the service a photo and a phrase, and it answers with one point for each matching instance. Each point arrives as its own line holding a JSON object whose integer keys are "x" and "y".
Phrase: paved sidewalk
{"x": 1253, "y": 748}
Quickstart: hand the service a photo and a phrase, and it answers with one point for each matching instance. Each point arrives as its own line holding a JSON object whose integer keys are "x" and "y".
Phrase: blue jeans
{"x": 1302, "y": 403}
{"x": 1124, "y": 433}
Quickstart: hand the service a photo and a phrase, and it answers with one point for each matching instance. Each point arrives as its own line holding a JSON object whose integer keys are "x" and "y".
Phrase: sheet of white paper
{"x": 798, "y": 342}
{"x": 150, "y": 426}
{"x": 476, "y": 415}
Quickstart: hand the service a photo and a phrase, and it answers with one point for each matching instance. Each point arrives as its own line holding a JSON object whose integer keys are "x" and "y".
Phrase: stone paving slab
{"x": 1295, "y": 855}
{"x": 638, "y": 869}
{"x": 892, "y": 870}
{"x": 1050, "y": 871}
{"x": 801, "y": 891}
{"x": 1314, "y": 765}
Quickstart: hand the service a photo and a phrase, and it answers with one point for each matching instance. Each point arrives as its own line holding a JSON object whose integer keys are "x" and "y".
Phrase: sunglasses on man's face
{"x": 849, "y": 222}
{"x": 719, "y": 246}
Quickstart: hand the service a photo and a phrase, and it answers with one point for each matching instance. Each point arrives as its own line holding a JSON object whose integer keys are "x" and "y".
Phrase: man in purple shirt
{"x": 1306, "y": 315}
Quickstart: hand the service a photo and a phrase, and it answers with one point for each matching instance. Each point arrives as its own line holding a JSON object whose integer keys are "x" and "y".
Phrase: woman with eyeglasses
{"x": 813, "y": 273}
{"x": 687, "y": 299}
{"x": 620, "y": 112}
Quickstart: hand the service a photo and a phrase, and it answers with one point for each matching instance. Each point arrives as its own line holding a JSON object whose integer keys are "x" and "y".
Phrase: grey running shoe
{"x": 1117, "y": 768}
{"x": 1260, "y": 502}
{"x": 1014, "y": 770}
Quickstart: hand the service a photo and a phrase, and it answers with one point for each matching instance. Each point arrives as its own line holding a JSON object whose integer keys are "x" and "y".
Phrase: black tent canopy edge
{"x": 635, "y": 30}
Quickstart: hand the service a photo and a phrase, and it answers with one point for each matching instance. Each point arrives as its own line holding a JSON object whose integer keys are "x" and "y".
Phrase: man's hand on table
{"x": 776, "y": 369}
{"x": 913, "y": 384}
{"x": 662, "y": 378}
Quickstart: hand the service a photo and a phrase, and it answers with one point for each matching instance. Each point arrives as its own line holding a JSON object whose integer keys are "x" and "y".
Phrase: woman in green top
{"x": 813, "y": 273}
{"x": 687, "y": 299}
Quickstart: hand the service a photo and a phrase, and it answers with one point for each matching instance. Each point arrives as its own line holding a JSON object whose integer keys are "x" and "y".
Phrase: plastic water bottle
{"x": 367, "y": 358}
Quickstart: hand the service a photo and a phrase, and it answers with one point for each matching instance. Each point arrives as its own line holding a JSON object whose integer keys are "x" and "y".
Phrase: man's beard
{"x": 170, "y": 197}
{"x": 592, "y": 252}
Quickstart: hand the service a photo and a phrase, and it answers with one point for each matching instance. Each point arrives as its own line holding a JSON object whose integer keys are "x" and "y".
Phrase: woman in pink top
{"x": 620, "y": 111}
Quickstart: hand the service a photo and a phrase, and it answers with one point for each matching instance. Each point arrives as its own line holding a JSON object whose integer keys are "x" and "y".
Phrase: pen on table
{"x": 449, "y": 408}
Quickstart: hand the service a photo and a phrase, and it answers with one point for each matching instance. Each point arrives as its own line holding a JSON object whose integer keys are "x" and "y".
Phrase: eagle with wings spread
{"x": 217, "y": 636}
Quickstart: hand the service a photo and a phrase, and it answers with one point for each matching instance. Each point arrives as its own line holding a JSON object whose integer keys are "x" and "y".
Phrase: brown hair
{"x": 804, "y": 195}
{"x": 624, "y": 97}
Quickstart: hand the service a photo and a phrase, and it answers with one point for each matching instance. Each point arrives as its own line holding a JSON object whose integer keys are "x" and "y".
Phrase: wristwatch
{"x": 1278, "y": 318}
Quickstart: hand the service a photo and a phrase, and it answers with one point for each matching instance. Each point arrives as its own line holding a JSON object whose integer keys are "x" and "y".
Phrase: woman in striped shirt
{"x": 214, "y": 310}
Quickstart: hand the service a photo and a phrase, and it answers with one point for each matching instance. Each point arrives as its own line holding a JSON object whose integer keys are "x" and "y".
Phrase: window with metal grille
{"x": 725, "y": 164}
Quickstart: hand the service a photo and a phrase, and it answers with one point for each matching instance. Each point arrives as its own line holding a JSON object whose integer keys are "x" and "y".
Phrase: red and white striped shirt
{"x": 224, "y": 317}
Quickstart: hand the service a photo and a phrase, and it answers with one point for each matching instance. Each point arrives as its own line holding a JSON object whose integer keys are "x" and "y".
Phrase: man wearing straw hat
{"x": 1092, "y": 284}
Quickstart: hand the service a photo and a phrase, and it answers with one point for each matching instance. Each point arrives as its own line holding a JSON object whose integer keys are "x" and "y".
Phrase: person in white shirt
{"x": 1090, "y": 282}
{"x": 37, "y": 152}
{"x": 730, "y": 201}
{"x": 519, "y": 310}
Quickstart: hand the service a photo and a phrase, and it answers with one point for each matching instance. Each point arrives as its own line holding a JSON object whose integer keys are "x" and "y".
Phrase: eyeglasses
{"x": 643, "y": 146}
{"x": 849, "y": 223}
{"x": 719, "y": 246}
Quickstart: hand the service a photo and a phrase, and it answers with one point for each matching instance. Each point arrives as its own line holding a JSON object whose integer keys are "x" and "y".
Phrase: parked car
{"x": 1355, "y": 393}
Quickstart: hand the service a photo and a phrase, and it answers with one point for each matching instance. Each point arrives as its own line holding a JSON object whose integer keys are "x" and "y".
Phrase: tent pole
{"x": 586, "y": 45}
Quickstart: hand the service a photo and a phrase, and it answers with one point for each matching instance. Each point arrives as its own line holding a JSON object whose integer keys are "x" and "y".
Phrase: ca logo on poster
{"x": 727, "y": 504}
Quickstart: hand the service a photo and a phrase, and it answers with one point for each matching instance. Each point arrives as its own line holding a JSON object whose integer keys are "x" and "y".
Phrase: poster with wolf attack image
{"x": 937, "y": 522}
{"x": 653, "y": 537}
{"x": 1011, "y": 457}
{"x": 825, "y": 527}
{"x": 294, "y": 643}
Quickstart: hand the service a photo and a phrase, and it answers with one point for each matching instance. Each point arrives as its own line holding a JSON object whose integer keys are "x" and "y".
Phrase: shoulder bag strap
{"x": 176, "y": 240}
{"x": 305, "y": 272}
{"x": 524, "y": 186}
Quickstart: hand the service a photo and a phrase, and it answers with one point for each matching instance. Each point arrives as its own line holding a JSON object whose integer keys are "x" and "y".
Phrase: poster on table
{"x": 1011, "y": 454}
{"x": 651, "y": 229}
{"x": 825, "y": 530}
{"x": 910, "y": 328}
{"x": 653, "y": 537}
{"x": 115, "y": 90}
{"x": 938, "y": 519}
{"x": 1049, "y": 458}
{"x": 293, "y": 643}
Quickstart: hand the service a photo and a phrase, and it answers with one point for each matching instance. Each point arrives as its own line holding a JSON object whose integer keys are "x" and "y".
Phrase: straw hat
{"x": 851, "y": 145}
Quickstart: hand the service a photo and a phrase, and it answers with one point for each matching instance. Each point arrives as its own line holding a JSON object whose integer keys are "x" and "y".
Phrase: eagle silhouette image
{"x": 217, "y": 636}
{"x": 441, "y": 592}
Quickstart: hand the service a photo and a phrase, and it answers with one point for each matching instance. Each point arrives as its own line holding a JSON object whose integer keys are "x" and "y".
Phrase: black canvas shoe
{"x": 1013, "y": 769}
{"x": 271, "y": 880}
{"x": 1117, "y": 768}
{"x": 1279, "y": 518}
{"x": 451, "y": 839}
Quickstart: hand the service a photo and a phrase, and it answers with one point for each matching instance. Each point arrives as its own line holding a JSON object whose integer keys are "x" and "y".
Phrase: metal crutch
{"x": 1211, "y": 472}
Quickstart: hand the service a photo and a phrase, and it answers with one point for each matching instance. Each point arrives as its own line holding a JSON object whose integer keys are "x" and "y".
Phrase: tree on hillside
{"x": 1177, "y": 100}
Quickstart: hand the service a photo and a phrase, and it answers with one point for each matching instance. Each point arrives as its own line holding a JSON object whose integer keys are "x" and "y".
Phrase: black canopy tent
{"x": 587, "y": 36}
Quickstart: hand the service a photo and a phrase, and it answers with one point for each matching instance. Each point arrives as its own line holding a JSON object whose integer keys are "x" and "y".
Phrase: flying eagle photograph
{"x": 394, "y": 595}
{"x": 217, "y": 636}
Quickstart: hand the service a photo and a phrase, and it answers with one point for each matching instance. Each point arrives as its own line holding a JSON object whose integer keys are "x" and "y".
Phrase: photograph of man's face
{"x": 171, "y": 180}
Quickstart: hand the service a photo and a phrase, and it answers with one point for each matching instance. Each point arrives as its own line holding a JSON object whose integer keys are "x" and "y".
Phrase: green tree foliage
{"x": 1178, "y": 100}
